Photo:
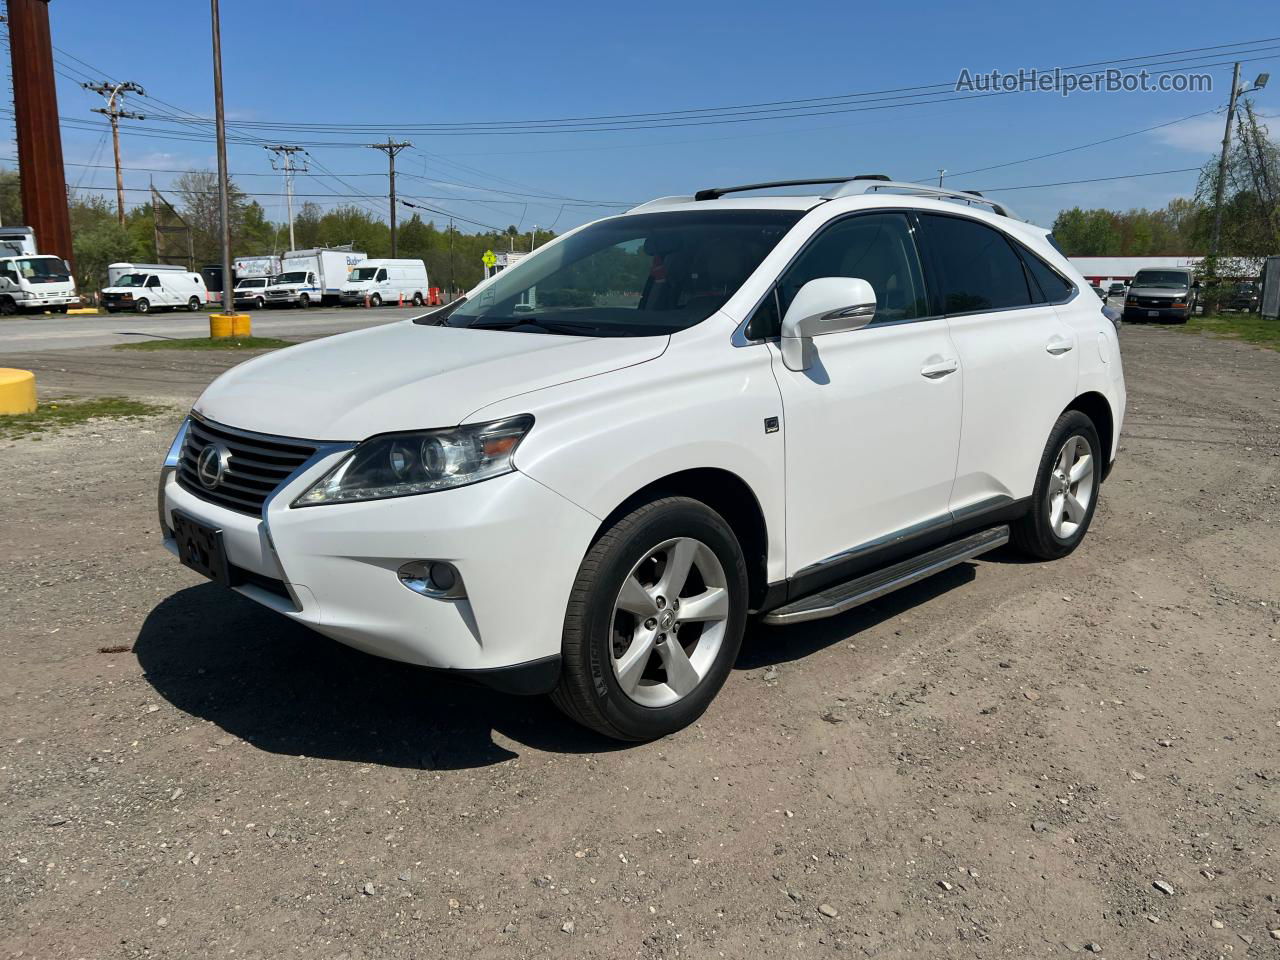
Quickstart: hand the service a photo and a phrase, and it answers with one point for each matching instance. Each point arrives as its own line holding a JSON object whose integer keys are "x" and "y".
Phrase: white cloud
{"x": 1200, "y": 135}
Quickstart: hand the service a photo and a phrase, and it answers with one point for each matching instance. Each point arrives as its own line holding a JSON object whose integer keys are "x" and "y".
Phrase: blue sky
{"x": 401, "y": 64}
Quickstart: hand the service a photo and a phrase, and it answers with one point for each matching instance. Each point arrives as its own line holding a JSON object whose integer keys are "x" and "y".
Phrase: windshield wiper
{"x": 572, "y": 329}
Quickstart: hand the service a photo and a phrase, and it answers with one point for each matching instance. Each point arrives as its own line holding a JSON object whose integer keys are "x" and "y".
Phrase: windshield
{"x": 243, "y": 284}
{"x": 294, "y": 276}
{"x": 1172, "y": 279}
{"x": 362, "y": 273}
{"x": 42, "y": 269}
{"x": 631, "y": 276}
{"x": 131, "y": 280}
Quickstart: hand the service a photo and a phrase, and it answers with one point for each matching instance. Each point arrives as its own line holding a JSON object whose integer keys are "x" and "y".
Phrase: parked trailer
{"x": 312, "y": 277}
{"x": 387, "y": 281}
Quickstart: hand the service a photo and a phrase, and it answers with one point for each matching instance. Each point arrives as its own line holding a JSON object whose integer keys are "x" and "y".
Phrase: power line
{"x": 1067, "y": 183}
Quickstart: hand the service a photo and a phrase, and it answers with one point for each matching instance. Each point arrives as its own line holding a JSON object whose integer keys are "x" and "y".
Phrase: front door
{"x": 871, "y": 428}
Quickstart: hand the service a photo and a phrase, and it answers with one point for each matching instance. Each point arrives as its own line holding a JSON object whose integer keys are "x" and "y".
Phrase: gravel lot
{"x": 1009, "y": 760}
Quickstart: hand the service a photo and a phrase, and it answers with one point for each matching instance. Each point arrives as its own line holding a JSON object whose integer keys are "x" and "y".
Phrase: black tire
{"x": 375, "y": 300}
{"x": 7, "y": 307}
{"x": 588, "y": 690}
{"x": 417, "y": 299}
{"x": 142, "y": 306}
{"x": 193, "y": 304}
{"x": 1032, "y": 534}
{"x": 258, "y": 303}
{"x": 304, "y": 301}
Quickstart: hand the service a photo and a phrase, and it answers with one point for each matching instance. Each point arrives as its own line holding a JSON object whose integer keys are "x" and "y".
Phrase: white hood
{"x": 404, "y": 377}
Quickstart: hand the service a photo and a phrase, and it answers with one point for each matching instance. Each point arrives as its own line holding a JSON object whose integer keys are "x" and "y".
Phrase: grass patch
{"x": 55, "y": 414}
{"x": 208, "y": 343}
{"x": 1249, "y": 327}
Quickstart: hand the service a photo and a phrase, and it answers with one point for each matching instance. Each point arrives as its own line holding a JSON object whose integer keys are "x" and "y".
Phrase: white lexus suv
{"x": 583, "y": 477}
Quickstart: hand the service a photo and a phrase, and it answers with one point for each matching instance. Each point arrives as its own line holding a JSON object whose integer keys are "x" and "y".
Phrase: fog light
{"x": 432, "y": 578}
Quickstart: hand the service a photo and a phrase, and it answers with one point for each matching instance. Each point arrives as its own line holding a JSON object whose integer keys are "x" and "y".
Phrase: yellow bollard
{"x": 241, "y": 325}
{"x": 17, "y": 391}
{"x": 219, "y": 326}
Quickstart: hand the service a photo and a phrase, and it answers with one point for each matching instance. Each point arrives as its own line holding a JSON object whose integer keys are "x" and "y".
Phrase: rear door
{"x": 1020, "y": 359}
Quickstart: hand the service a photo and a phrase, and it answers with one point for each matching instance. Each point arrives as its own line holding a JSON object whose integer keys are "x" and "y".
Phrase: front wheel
{"x": 142, "y": 306}
{"x": 417, "y": 299}
{"x": 193, "y": 304}
{"x": 304, "y": 301}
{"x": 375, "y": 301}
{"x": 654, "y": 621}
{"x": 1066, "y": 491}
{"x": 258, "y": 303}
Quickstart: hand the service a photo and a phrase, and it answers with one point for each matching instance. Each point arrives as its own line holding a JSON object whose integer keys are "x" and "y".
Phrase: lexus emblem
{"x": 212, "y": 464}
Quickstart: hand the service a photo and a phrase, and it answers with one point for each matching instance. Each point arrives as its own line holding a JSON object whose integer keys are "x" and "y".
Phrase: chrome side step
{"x": 852, "y": 593}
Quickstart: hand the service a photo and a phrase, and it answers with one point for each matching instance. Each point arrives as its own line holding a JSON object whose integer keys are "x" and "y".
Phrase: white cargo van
{"x": 117, "y": 270}
{"x": 41, "y": 282}
{"x": 310, "y": 277}
{"x": 144, "y": 291}
{"x": 387, "y": 281}
{"x": 18, "y": 241}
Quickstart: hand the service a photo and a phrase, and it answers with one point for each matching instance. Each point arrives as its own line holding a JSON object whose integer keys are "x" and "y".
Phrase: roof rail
{"x": 853, "y": 188}
{"x": 715, "y": 193}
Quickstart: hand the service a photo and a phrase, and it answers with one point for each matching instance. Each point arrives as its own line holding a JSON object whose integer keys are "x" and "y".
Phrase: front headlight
{"x": 403, "y": 464}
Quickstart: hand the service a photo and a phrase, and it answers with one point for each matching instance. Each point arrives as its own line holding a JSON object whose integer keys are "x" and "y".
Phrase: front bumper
{"x": 61, "y": 301}
{"x": 516, "y": 544}
{"x": 1156, "y": 313}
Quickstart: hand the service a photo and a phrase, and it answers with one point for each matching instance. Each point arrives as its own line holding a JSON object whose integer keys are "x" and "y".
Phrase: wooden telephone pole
{"x": 391, "y": 148}
{"x": 114, "y": 92}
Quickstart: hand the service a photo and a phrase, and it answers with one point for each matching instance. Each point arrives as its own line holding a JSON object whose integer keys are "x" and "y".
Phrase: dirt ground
{"x": 1008, "y": 760}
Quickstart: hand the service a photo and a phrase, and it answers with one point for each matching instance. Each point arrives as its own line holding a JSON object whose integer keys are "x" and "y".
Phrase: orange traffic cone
{"x": 366, "y": 300}
{"x": 402, "y": 298}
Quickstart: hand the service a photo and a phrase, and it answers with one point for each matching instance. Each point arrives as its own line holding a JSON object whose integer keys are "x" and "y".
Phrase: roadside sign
{"x": 489, "y": 259}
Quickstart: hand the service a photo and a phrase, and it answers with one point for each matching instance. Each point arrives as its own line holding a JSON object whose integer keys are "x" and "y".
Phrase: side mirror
{"x": 823, "y": 306}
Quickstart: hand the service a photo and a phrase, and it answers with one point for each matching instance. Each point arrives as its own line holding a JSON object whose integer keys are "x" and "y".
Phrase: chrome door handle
{"x": 1057, "y": 346}
{"x": 936, "y": 371}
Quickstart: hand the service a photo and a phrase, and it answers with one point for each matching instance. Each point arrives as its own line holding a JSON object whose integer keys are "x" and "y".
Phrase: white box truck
{"x": 17, "y": 242}
{"x": 40, "y": 282}
{"x": 145, "y": 290}
{"x": 387, "y": 281}
{"x": 310, "y": 277}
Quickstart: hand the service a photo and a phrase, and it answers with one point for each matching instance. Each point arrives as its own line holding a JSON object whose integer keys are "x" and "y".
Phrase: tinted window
{"x": 1054, "y": 287}
{"x": 878, "y": 248}
{"x": 978, "y": 268}
{"x": 630, "y": 276}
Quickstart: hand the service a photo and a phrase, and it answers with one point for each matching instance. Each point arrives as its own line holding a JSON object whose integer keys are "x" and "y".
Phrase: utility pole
{"x": 289, "y": 165}
{"x": 221, "y": 125}
{"x": 35, "y": 115}
{"x": 114, "y": 110}
{"x": 1222, "y": 163}
{"x": 941, "y": 173}
{"x": 391, "y": 148}
{"x": 533, "y": 237}
{"x": 452, "y": 285}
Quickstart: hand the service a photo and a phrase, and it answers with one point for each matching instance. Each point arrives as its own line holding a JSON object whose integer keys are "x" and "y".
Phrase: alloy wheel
{"x": 1070, "y": 487}
{"x": 669, "y": 622}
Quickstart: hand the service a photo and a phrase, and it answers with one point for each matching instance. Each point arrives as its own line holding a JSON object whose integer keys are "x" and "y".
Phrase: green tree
{"x": 10, "y": 197}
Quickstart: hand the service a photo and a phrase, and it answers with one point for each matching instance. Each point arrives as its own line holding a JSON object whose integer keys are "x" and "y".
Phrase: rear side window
{"x": 978, "y": 269}
{"x": 1052, "y": 285}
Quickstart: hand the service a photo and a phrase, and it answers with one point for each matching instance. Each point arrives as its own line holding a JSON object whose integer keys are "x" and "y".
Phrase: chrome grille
{"x": 256, "y": 464}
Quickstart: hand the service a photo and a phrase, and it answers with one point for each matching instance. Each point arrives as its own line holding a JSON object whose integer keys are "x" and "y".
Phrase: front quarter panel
{"x": 702, "y": 404}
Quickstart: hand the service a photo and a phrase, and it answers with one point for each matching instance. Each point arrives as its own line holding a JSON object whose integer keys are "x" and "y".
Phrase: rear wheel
{"x": 1066, "y": 491}
{"x": 193, "y": 304}
{"x": 142, "y": 306}
{"x": 654, "y": 621}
